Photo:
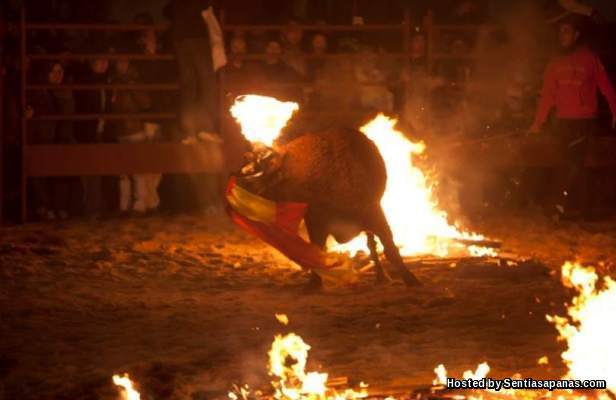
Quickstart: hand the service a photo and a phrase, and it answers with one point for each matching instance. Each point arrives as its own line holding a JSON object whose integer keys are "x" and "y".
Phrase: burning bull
{"x": 338, "y": 174}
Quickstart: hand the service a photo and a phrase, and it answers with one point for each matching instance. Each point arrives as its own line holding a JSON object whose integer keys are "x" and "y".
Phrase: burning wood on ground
{"x": 588, "y": 330}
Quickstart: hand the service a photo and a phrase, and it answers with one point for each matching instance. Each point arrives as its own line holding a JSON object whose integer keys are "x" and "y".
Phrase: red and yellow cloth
{"x": 277, "y": 224}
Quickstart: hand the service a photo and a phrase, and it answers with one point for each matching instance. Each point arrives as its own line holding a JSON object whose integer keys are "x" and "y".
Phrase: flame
{"x": 128, "y": 392}
{"x": 292, "y": 380}
{"x": 262, "y": 118}
{"x": 287, "y": 366}
{"x": 589, "y": 328}
{"x": 282, "y": 318}
{"x": 543, "y": 360}
{"x": 418, "y": 226}
{"x": 441, "y": 375}
{"x": 480, "y": 373}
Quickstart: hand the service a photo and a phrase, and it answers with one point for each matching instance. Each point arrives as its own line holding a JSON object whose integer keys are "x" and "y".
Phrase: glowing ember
{"x": 589, "y": 328}
{"x": 282, "y": 318}
{"x": 262, "y": 118}
{"x": 419, "y": 227}
{"x": 543, "y": 360}
{"x": 128, "y": 392}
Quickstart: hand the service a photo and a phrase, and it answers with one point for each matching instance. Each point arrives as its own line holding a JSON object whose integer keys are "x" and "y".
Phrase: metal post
{"x": 24, "y": 142}
{"x": 429, "y": 28}
{"x": 2, "y": 131}
{"x": 221, "y": 85}
{"x": 406, "y": 40}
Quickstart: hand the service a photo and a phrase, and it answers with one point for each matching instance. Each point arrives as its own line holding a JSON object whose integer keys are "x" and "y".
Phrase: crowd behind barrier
{"x": 106, "y": 108}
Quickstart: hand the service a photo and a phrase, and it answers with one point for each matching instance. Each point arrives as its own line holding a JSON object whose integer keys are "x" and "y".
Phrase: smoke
{"x": 508, "y": 70}
{"x": 498, "y": 99}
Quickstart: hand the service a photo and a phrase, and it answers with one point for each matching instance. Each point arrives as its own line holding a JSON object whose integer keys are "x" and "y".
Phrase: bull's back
{"x": 335, "y": 169}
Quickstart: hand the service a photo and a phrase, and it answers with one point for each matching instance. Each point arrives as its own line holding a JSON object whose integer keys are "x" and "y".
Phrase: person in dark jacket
{"x": 281, "y": 78}
{"x": 198, "y": 90}
{"x": 94, "y": 130}
{"x": 51, "y": 195}
{"x": 194, "y": 56}
{"x": 132, "y": 194}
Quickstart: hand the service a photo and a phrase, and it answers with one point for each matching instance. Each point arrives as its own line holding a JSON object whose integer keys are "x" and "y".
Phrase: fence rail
{"x": 109, "y": 56}
{"x": 108, "y": 86}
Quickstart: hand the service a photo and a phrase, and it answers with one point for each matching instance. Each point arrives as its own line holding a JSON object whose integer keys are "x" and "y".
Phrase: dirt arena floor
{"x": 186, "y": 305}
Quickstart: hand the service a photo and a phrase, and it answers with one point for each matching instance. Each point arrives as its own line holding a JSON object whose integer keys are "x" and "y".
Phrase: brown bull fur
{"x": 341, "y": 175}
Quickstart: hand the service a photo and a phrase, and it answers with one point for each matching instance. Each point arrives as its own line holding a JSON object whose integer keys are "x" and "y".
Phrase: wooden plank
{"x": 24, "y": 125}
{"x": 110, "y": 116}
{"x": 96, "y": 27}
{"x": 107, "y": 56}
{"x": 109, "y": 86}
{"x": 316, "y": 27}
{"x": 529, "y": 152}
{"x": 117, "y": 159}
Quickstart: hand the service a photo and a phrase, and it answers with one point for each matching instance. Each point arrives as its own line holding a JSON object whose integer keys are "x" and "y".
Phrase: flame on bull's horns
{"x": 128, "y": 392}
{"x": 590, "y": 326}
{"x": 262, "y": 118}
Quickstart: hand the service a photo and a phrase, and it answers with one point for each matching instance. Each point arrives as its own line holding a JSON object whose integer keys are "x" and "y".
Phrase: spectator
{"x": 197, "y": 89}
{"x": 318, "y": 50}
{"x": 570, "y": 86}
{"x": 418, "y": 86}
{"x": 148, "y": 43}
{"x": 137, "y": 196}
{"x": 316, "y": 69}
{"x": 194, "y": 55}
{"x": 457, "y": 69}
{"x": 278, "y": 73}
{"x": 417, "y": 52}
{"x": 51, "y": 195}
{"x": 94, "y": 130}
{"x": 292, "y": 48}
{"x": 466, "y": 12}
{"x": 374, "y": 93}
{"x": 240, "y": 74}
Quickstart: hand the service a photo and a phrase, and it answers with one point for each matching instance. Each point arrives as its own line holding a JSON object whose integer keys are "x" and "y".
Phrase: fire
{"x": 418, "y": 226}
{"x": 128, "y": 392}
{"x": 480, "y": 373}
{"x": 282, "y": 318}
{"x": 589, "y": 328}
{"x": 287, "y": 365}
{"x": 288, "y": 357}
{"x": 262, "y": 118}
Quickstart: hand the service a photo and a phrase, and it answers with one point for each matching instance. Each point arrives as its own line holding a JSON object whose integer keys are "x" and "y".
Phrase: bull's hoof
{"x": 314, "y": 285}
{"x": 410, "y": 280}
{"x": 382, "y": 279}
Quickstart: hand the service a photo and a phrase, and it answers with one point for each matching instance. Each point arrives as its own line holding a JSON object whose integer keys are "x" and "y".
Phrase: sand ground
{"x": 186, "y": 305}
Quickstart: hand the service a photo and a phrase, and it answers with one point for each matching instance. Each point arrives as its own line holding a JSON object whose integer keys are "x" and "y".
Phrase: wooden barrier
{"x": 117, "y": 159}
{"x": 532, "y": 152}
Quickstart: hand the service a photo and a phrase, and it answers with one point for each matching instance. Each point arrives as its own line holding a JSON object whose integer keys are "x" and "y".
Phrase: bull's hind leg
{"x": 381, "y": 275}
{"x": 378, "y": 224}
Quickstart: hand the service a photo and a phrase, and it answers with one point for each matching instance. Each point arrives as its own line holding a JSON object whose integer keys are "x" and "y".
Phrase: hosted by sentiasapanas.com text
{"x": 527, "y": 383}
